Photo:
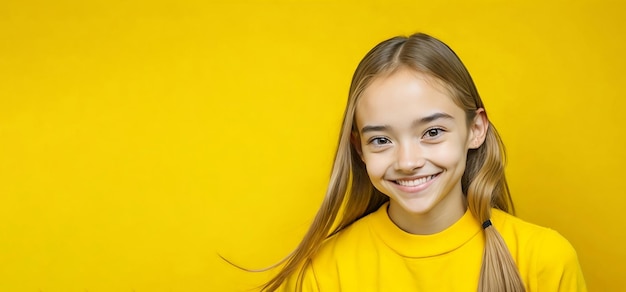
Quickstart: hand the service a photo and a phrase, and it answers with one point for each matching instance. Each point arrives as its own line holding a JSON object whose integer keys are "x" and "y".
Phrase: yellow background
{"x": 140, "y": 140}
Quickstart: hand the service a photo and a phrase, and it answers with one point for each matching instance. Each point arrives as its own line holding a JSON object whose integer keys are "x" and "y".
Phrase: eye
{"x": 379, "y": 141}
{"x": 433, "y": 133}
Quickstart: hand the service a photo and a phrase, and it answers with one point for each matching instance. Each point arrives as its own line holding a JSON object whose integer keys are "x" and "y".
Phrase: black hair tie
{"x": 486, "y": 224}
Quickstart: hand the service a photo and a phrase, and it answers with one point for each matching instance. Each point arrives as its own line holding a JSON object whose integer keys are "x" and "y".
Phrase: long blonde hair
{"x": 351, "y": 192}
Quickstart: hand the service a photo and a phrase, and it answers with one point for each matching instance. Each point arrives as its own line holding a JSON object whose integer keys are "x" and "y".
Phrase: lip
{"x": 418, "y": 188}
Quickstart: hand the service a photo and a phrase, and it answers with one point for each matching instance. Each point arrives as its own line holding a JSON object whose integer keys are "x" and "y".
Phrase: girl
{"x": 418, "y": 200}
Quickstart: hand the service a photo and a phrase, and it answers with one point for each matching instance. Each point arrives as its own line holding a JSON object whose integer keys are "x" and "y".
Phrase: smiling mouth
{"x": 416, "y": 182}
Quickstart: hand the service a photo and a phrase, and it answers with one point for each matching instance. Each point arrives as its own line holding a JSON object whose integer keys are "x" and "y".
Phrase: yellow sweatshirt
{"x": 373, "y": 254}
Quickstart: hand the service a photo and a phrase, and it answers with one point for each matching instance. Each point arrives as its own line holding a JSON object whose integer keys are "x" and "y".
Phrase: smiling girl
{"x": 417, "y": 199}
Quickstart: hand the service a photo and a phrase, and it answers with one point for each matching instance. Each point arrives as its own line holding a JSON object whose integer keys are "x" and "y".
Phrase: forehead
{"x": 403, "y": 96}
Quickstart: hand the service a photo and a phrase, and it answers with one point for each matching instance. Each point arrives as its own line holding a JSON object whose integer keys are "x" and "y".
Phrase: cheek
{"x": 376, "y": 165}
{"x": 449, "y": 155}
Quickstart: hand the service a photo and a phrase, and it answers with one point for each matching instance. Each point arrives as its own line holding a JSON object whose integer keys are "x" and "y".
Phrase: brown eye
{"x": 433, "y": 133}
{"x": 379, "y": 141}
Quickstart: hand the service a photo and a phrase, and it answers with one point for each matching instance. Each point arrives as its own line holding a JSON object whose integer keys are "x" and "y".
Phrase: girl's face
{"x": 414, "y": 142}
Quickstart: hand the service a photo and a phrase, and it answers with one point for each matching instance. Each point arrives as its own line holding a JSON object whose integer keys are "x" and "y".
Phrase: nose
{"x": 410, "y": 156}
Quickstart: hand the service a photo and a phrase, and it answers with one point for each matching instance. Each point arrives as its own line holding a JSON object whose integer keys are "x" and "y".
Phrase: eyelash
{"x": 376, "y": 141}
{"x": 438, "y": 133}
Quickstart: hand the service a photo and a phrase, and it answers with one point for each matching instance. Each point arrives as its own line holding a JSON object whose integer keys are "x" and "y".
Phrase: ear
{"x": 356, "y": 142}
{"x": 478, "y": 129}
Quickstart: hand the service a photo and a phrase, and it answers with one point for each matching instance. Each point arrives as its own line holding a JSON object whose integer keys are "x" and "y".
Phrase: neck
{"x": 437, "y": 219}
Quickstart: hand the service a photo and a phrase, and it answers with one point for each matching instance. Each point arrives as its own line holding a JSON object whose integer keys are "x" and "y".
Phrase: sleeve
{"x": 557, "y": 265}
{"x": 306, "y": 283}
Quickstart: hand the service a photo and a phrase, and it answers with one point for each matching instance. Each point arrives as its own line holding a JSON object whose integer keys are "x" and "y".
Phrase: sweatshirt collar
{"x": 418, "y": 246}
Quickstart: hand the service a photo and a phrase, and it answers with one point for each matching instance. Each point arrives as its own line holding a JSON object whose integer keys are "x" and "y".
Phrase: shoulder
{"x": 527, "y": 237}
{"x": 547, "y": 257}
{"x": 343, "y": 252}
{"x": 509, "y": 224}
{"x": 522, "y": 233}
{"x": 344, "y": 244}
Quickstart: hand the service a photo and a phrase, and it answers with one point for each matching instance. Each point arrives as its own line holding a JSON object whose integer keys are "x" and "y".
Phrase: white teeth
{"x": 416, "y": 182}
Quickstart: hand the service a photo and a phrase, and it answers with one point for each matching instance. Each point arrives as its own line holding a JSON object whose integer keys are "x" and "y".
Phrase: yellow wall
{"x": 138, "y": 141}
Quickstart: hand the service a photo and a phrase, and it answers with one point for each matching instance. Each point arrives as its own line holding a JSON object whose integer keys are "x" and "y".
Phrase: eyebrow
{"x": 421, "y": 121}
{"x": 431, "y": 118}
